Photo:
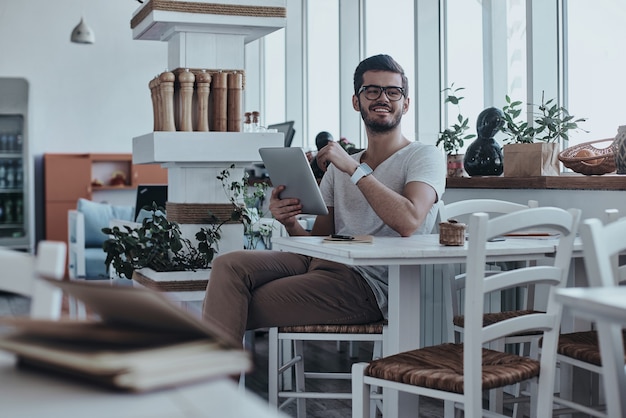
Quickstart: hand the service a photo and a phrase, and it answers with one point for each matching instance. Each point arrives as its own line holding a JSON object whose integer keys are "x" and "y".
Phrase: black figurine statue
{"x": 483, "y": 157}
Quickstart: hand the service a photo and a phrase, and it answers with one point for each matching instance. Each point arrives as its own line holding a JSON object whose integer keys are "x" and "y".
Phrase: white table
{"x": 404, "y": 256}
{"x": 607, "y": 307}
{"x": 26, "y": 393}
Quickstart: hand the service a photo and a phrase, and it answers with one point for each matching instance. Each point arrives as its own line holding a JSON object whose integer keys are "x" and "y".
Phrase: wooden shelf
{"x": 69, "y": 177}
{"x": 566, "y": 181}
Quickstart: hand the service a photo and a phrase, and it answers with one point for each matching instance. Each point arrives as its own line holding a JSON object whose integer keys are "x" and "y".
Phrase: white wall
{"x": 83, "y": 98}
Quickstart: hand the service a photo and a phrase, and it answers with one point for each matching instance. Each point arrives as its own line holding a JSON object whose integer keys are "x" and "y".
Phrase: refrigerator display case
{"x": 14, "y": 191}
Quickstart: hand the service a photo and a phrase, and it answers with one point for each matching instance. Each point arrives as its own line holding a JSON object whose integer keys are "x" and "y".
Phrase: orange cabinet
{"x": 68, "y": 177}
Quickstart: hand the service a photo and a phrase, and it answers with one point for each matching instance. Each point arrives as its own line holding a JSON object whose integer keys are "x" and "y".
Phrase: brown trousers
{"x": 257, "y": 289}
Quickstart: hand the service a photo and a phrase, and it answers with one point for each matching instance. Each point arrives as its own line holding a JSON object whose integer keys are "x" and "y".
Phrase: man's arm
{"x": 405, "y": 212}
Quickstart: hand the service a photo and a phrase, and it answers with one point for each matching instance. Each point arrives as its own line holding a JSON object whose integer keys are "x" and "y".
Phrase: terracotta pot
{"x": 455, "y": 166}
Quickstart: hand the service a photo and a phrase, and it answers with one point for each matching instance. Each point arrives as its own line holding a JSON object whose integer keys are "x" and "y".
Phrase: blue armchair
{"x": 85, "y": 255}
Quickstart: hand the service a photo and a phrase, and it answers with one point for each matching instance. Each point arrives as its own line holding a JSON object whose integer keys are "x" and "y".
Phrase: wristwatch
{"x": 360, "y": 172}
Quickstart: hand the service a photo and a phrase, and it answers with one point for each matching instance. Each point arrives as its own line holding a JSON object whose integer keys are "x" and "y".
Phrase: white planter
{"x": 531, "y": 160}
{"x": 180, "y": 286}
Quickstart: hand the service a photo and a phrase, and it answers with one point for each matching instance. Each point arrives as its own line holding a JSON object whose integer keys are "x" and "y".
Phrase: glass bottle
{"x": 19, "y": 174}
{"x": 10, "y": 175}
{"x": 19, "y": 210}
{"x": 256, "y": 124}
{"x": 3, "y": 174}
{"x": 11, "y": 143}
{"x": 8, "y": 210}
{"x": 19, "y": 142}
{"x": 247, "y": 122}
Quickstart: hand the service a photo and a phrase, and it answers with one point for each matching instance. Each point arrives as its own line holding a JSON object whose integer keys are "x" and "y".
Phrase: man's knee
{"x": 228, "y": 260}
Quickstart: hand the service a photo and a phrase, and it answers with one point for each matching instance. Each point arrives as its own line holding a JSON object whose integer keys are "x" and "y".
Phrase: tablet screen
{"x": 290, "y": 167}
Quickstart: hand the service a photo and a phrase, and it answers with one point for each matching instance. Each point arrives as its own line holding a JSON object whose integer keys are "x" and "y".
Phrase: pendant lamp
{"x": 82, "y": 34}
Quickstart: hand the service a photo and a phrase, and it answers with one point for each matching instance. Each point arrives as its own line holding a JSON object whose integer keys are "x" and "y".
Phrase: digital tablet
{"x": 290, "y": 167}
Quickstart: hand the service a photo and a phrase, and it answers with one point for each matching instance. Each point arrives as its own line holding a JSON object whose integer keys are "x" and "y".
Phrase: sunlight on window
{"x": 465, "y": 60}
{"x": 274, "y": 78}
{"x": 323, "y": 69}
{"x": 596, "y": 32}
{"x": 389, "y": 30}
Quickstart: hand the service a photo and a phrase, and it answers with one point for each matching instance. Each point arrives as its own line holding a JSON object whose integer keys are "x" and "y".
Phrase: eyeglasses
{"x": 372, "y": 92}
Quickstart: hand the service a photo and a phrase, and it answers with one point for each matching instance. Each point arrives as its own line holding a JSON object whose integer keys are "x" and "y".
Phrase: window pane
{"x": 595, "y": 66}
{"x": 274, "y": 93}
{"x": 395, "y": 39}
{"x": 323, "y": 70}
{"x": 464, "y": 57}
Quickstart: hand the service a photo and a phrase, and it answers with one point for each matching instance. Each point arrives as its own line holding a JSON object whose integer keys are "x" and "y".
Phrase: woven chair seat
{"x": 372, "y": 328}
{"x": 495, "y": 317}
{"x": 583, "y": 346}
{"x": 441, "y": 367}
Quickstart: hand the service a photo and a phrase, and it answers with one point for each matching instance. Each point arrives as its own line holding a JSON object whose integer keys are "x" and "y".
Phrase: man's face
{"x": 381, "y": 115}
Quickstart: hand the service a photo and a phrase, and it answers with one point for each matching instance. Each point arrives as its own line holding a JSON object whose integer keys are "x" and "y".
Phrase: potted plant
{"x": 531, "y": 149}
{"x": 157, "y": 243}
{"x": 453, "y": 138}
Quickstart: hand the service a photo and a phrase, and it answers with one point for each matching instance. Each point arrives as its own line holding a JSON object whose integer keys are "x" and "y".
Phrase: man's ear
{"x": 355, "y": 103}
{"x": 405, "y": 106}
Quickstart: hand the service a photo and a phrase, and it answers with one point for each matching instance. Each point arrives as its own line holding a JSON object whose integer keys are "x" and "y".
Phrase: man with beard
{"x": 388, "y": 189}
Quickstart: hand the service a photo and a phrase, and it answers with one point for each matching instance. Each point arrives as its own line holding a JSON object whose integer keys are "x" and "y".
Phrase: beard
{"x": 375, "y": 125}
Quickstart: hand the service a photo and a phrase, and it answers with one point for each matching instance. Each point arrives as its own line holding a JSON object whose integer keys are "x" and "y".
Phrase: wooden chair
{"x": 579, "y": 352}
{"x": 287, "y": 376}
{"x": 602, "y": 245}
{"x": 20, "y": 271}
{"x": 459, "y": 372}
{"x": 494, "y": 310}
{"x": 460, "y": 211}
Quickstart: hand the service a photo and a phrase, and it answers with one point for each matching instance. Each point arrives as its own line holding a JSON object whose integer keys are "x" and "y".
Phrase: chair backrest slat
{"x": 20, "y": 272}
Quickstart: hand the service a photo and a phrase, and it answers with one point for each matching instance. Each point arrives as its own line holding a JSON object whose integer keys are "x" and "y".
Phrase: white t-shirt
{"x": 354, "y": 215}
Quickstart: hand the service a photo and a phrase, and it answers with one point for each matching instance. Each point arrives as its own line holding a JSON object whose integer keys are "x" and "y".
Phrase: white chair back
{"x": 602, "y": 244}
{"x": 481, "y": 230}
{"x": 461, "y": 211}
{"x": 20, "y": 272}
{"x": 463, "y": 208}
{"x": 462, "y": 373}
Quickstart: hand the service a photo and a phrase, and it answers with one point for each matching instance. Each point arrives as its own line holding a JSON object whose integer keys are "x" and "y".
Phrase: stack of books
{"x": 139, "y": 341}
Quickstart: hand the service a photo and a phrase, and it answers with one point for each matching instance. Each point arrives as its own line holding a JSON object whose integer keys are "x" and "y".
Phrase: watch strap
{"x": 360, "y": 172}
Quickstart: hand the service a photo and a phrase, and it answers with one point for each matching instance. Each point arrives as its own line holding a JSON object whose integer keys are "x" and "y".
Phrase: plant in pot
{"x": 453, "y": 138}
{"x": 158, "y": 244}
{"x": 531, "y": 149}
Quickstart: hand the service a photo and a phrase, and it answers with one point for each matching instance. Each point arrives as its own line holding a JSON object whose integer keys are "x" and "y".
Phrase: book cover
{"x": 140, "y": 342}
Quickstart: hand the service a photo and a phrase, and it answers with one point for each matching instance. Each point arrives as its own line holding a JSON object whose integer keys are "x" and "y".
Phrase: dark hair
{"x": 380, "y": 62}
{"x": 322, "y": 139}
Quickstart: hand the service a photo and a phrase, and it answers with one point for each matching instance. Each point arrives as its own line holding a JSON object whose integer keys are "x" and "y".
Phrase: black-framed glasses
{"x": 373, "y": 92}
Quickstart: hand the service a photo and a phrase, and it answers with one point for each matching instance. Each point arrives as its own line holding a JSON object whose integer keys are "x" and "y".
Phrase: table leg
{"x": 403, "y": 331}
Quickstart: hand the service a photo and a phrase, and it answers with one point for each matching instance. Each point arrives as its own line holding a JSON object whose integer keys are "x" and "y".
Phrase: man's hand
{"x": 335, "y": 154}
{"x": 284, "y": 211}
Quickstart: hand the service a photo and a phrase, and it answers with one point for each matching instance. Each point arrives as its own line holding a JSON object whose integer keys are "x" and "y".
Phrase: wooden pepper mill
{"x": 167, "y": 100}
{"x": 235, "y": 85}
{"x": 156, "y": 116}
{"x": 185, "y": 99}
{"x": 203, "y": 89}
{"x": 219, "y": 102}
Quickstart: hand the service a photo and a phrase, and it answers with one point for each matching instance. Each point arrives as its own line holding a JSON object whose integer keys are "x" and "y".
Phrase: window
{"x": 323, "y": 69}
{"x": 389, "y": 30}
{"x": 595, "y": 67}
{"x": 464, "y": 60}
{"x": 274, "y": 58}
